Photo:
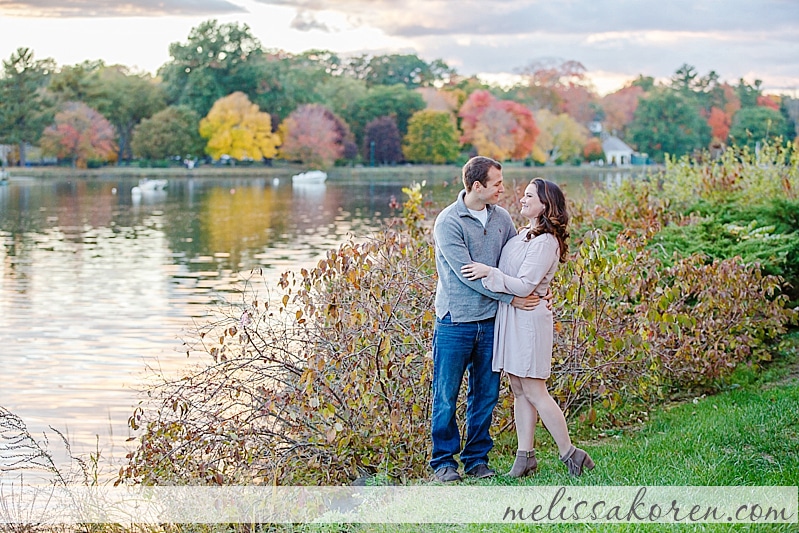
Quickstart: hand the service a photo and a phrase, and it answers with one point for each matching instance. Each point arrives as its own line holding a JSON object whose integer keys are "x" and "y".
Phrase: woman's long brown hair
{"x": 554, "y": 218}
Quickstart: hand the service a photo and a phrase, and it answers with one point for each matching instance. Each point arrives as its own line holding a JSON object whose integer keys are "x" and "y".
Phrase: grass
{"x": 747, "y": 435}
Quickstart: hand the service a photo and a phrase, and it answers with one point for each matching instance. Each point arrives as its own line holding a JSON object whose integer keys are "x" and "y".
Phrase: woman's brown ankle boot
{"x": 577, "y": 460}
{"x": 524, "y": 464}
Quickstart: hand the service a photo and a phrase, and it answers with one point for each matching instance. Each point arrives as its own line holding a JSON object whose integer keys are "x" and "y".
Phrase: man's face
{"x": 493, "y": 188}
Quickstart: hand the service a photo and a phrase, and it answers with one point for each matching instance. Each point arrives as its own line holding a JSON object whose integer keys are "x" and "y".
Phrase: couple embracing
{"x": 491, "y": 279}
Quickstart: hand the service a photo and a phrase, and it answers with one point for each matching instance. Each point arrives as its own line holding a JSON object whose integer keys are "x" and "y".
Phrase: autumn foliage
{"x": 769, "y": 100}
{"x": 237, "y": 128}
{"x": 562, "y": 138}
{"x": 329, "y": 379}
{"x": 619, "y": 107}
{"x": 501, "y": 129}
{"x": 592, "y": 151}
{"x": 432, "y": 138}
{"x": 719, "y": 123}
{"x": 382, "y": 141}
{"x": 79, "y": 134}
{"x": 313, "y": 135}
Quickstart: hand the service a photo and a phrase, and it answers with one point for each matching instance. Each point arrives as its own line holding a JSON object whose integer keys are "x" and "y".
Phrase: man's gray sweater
{"x": 459, "y": 240}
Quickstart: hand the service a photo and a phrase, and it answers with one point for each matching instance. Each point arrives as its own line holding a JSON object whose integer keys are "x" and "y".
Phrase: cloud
{"x": 732, "y": 37}
{"x": 616, "y": 37}
{"x": 306, "y": 21}
{"x": 413, "y": 18}
{"x": 111, "y": 8}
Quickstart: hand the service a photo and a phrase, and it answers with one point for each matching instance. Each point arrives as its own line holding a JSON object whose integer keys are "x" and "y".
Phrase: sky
{"x": 615, "y": 40}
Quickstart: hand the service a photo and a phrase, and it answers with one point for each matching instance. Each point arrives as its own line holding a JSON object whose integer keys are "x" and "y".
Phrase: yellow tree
{"x": 237, "y": 127}
{"x": 562, "y": 138}
{"x": 432, "y": 138}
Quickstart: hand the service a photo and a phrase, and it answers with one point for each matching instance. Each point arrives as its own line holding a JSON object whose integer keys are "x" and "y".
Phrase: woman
{"x": 523, "y": 339}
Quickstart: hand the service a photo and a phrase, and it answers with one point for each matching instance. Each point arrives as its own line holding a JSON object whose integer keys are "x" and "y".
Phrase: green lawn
{"x": 747, "y": 435}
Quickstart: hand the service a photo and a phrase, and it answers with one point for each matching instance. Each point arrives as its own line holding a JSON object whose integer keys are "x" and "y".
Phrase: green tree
{"x": 685, "y": 79}
{"x": 706, "y": 90}
{"x": 171, "y": 132}
{"x": 790, "y": 109}
{"x": 24, "y": 108}
{"x": 325, "y": 61}
{"x": 217, "y": 60}
{"x": 340, "y": 93}
{"x": 382, "y": 100}
{"x": 647, "y": 83}
{"x": 125, "y": 99}
{"x": 666, "y": 122}
{"x": 393, "y": 69}
{"x": 748, "y": 94}
{"x": 76, "y": 83}
{"x": 432, "y": 138}
{"x": 236, "y": 127}
{"x": 753, "y": 125}
{"x": 287, "y": 82}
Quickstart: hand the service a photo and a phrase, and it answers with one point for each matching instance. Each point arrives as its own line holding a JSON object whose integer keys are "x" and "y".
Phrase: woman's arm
{"x": 537, "y": 262}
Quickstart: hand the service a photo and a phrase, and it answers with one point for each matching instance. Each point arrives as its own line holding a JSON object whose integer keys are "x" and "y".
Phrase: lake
{"x": 98, "y": 284}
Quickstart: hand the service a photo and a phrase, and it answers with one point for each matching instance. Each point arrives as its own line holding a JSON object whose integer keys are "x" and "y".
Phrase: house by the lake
{"x": 617, "y": 152}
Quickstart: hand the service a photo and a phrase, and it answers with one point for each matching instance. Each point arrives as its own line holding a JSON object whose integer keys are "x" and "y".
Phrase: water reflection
{"x": 96, "y": 283}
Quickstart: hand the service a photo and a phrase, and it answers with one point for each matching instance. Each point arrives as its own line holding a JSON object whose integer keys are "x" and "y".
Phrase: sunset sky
{"x": 614, "y": 39}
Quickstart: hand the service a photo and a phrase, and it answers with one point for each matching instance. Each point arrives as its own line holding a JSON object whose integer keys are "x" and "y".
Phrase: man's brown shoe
{"x": 447, "y": 474}
{"x": 481, "y": 471}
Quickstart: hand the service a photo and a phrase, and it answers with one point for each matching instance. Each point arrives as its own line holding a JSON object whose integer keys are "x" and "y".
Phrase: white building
{"x": 5, "y": 149}
{"x": 617, "y": 152}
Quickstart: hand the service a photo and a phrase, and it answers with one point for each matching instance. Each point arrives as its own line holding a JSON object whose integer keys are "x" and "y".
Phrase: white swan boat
{"x": 150, "y": 185}
{"x": 312, "y": 176}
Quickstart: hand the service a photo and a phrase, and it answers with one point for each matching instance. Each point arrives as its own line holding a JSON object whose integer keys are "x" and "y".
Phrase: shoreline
{"x": 283, "y": 170}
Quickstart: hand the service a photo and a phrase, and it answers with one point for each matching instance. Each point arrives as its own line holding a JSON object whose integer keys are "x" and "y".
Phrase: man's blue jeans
{"x": 457, "y": 348}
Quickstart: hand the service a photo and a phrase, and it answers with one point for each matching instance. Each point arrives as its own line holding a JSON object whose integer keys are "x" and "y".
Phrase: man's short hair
{"x": 476, "y": 169}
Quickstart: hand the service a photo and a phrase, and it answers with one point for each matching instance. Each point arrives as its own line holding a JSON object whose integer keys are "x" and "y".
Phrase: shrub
{"x": 331, "y": 381}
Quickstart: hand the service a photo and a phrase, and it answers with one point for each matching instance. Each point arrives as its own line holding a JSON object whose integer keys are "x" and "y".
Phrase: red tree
{"x": 525, "y": 132}
{"x": 592, "y": 151}
{"x": 719, "y": 123}
{"x": 576, "y": 102}
{"x": 313, "y": 135}
{"x": 561, "y": 87}
{"x": 732, "y": 102}
{"x": 769, "y": 100}
{"x": 497, "y": 128}
{"x": 79, "y": 133}
{"x": 620, "y": 107}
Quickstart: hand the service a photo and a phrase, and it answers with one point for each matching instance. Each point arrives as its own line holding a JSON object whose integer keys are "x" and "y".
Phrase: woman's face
{"x": 531, "y": 205}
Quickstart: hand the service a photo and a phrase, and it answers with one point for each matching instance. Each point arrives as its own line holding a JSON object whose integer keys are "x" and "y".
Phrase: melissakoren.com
{"x": 756, "y": 505}
{"x": 460, "y": 504}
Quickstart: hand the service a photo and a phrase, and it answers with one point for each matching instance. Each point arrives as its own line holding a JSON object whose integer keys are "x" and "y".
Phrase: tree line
{"x": 222, "y": 95}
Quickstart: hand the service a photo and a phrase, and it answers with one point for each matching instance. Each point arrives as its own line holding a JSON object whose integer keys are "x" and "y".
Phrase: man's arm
{"x": 452, "y": 245}
{"x": 532, "y": 272}
{"x": 528, "y": 303}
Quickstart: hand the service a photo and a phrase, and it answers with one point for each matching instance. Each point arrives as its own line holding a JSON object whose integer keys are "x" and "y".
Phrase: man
{"x": 473, "y": 228}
